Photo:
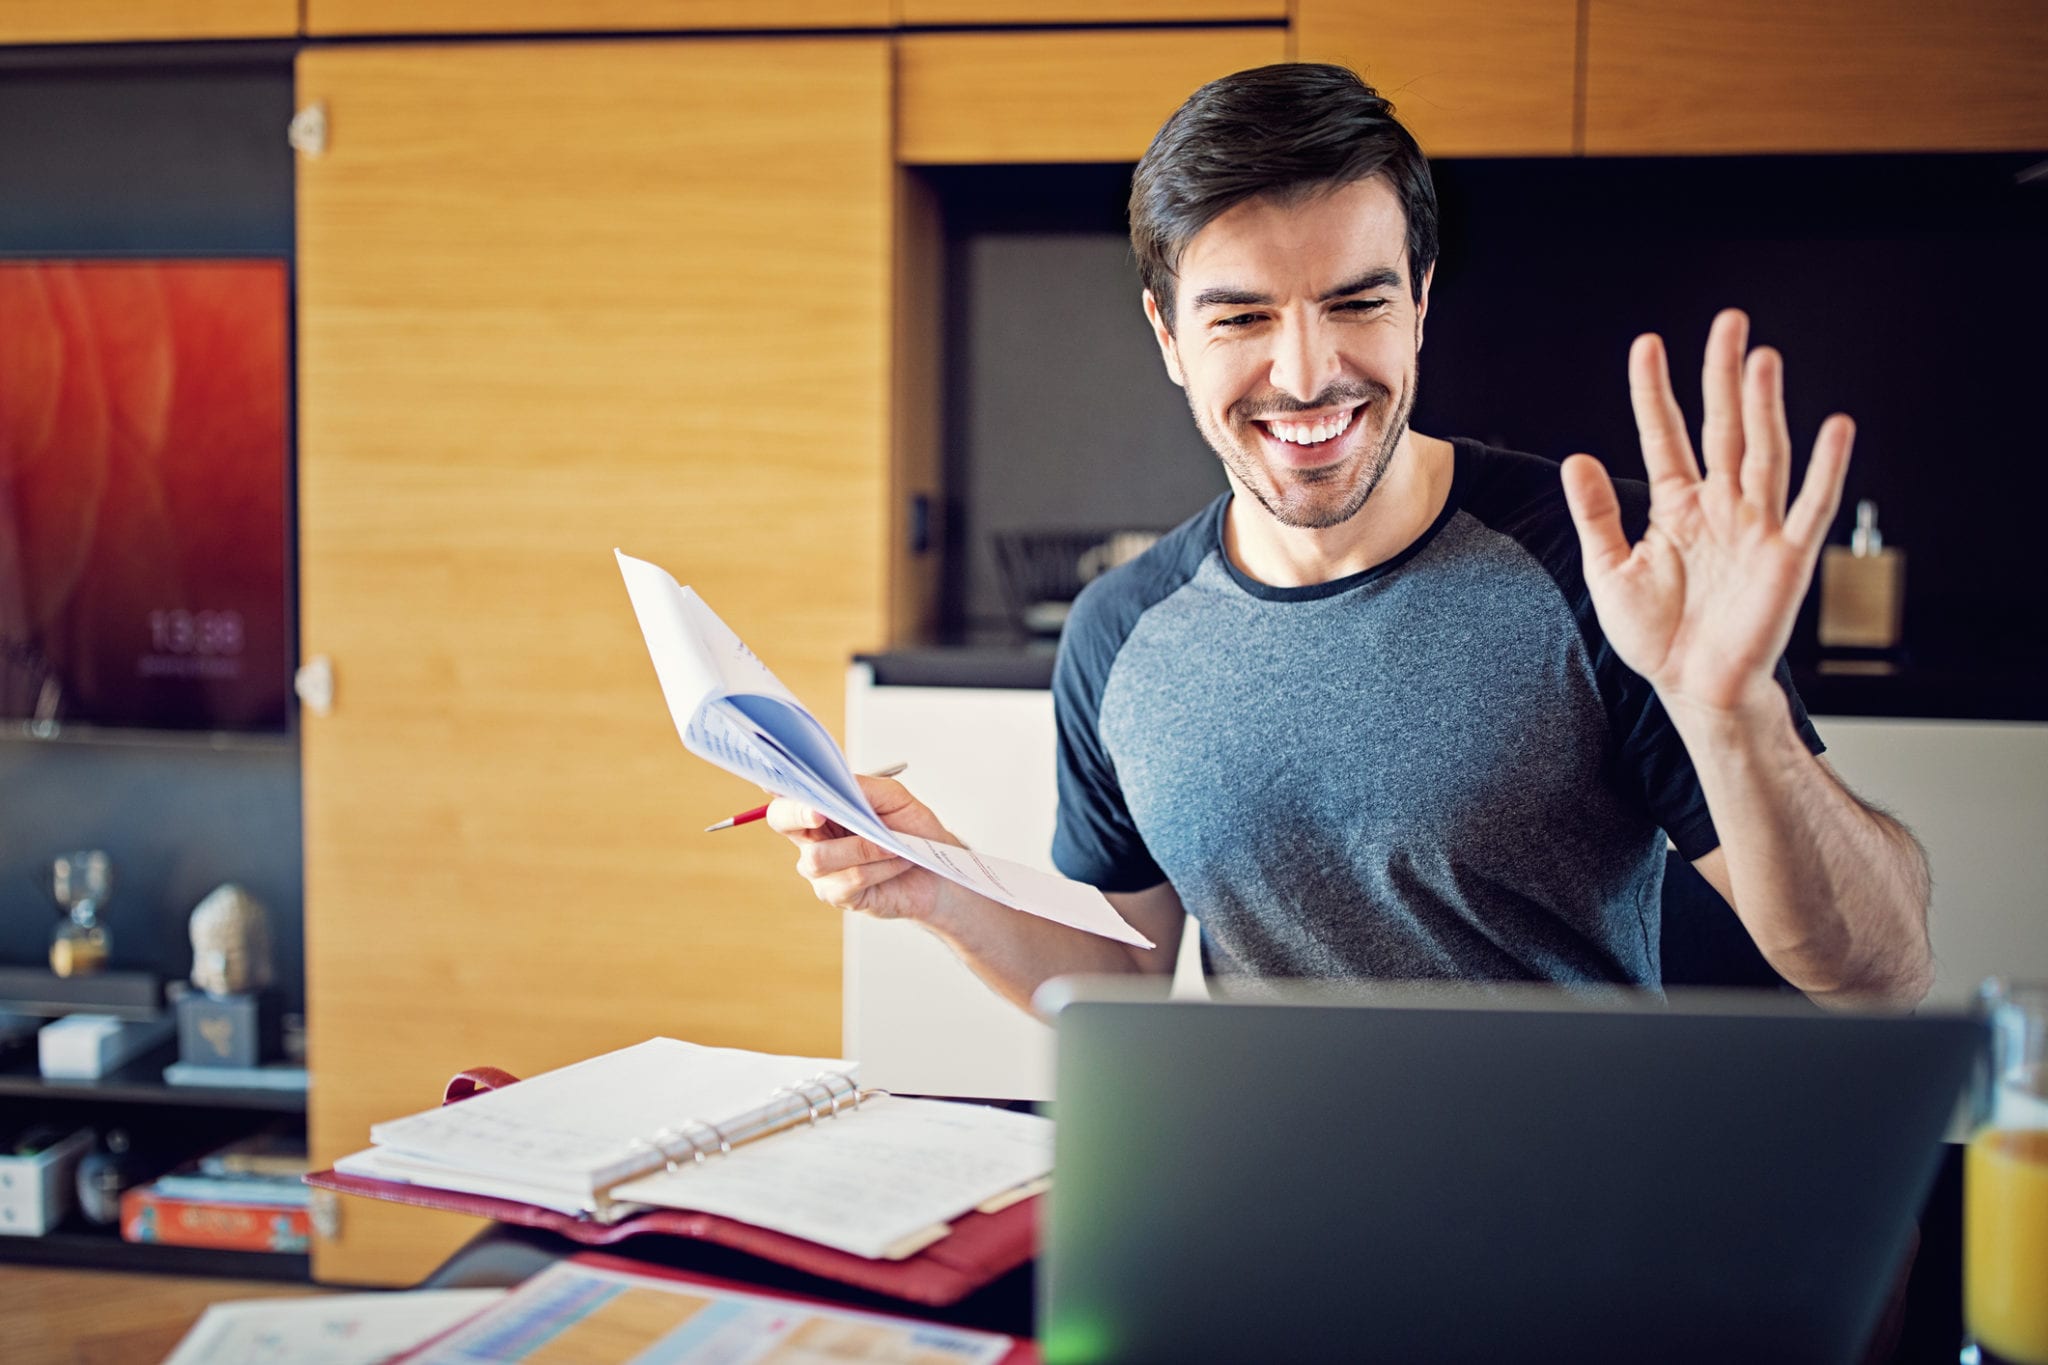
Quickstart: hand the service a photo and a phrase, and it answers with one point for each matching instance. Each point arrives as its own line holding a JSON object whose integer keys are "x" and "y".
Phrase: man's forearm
{"x": 1834, "y": 893}
{"x": 1016, "y": 953}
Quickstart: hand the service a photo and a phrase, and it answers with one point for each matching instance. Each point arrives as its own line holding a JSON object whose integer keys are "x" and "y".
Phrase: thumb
{"x": 1596, "y": 514}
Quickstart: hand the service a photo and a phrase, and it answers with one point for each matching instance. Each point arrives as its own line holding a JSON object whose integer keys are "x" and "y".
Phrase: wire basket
{"x": 1044, "y": 571}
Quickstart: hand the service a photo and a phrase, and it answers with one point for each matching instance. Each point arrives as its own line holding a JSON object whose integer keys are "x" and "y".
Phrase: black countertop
{"x": 1915, "y": 691}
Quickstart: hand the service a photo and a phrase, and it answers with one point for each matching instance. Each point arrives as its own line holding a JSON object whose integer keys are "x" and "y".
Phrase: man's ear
{"x": 1422, "y": 303}
{"x": 1169, "y": 351}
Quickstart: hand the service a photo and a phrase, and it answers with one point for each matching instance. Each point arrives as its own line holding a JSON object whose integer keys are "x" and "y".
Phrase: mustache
{"x": 1345, "y": 393}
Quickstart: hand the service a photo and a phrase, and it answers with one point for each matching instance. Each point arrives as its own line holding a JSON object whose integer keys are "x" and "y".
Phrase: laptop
{"x": 1503, "y": 1176}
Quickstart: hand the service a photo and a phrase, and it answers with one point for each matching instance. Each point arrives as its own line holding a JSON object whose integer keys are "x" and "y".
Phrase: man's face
{"x": 1295, "y": 337}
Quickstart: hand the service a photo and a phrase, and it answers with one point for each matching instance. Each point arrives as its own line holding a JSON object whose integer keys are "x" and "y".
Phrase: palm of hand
{"x": 1703, "y": 605}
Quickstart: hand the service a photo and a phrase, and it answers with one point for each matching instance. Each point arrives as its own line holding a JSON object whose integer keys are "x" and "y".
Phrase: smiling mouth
{"x": 1304, "y": 439}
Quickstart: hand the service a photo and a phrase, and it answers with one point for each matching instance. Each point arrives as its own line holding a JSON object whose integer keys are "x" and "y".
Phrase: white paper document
{"x": 582, "y": 1126}
{"x": 868, "y": 1183}
{"x": 732, "y": 711}
{"x": 326, "y": 1329}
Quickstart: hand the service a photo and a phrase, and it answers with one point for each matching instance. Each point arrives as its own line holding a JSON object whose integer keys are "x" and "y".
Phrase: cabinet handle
{"x": 314, "y": 682}
{"x": 308, "y": 130}
{"x": 326, "y": 1214}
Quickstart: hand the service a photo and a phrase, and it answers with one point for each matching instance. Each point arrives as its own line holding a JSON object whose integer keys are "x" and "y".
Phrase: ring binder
{"x": 788, "y": 1105}
{"x": 563, "y": 1146}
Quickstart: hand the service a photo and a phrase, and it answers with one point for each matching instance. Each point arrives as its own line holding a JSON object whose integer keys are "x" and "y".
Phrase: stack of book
{"x": 248, "y": 1196}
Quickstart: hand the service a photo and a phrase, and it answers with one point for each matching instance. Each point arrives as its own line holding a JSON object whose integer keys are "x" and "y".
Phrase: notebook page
{"x": 867, "y": 1180}
{"x": 578, "y": 1125}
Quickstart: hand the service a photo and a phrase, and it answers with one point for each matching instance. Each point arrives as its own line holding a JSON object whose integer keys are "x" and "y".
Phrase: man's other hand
{"x": 1704, "y": 603}
{"x": 852, "y": 873}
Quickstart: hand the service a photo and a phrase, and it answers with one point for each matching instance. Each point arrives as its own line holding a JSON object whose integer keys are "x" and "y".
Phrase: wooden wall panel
{"x": 915, "y": 12}
{"x": 556, "y": 299}
{"x": 587, "y": 16}
{"x": 126, "y": 21}
{"x": 1815, "y": 75}
{"x": 1467, "y": 77}
{"x": 1097, "y": 95}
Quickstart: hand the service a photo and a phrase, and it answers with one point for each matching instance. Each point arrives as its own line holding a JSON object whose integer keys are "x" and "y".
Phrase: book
{"x": 787, "y": 1144}
{"x": 270, "y": 1076}
{"x": 592, "y": 1307}
{"x": 731, "y": 711}
{"x": 267, "y": 1153}
{"x": 149, "y": 1216}
{"x": 284, "y": 1191}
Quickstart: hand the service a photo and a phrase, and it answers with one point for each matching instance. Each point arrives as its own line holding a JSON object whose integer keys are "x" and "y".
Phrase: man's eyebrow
{"x": 1231, "y": 298}
{"x": 1385, "y": 277}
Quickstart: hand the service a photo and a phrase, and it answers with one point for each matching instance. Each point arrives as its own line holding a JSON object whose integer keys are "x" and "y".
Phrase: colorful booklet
{"x": 603, "y": 1308}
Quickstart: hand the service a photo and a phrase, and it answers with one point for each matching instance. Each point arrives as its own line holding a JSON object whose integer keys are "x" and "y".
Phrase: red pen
{"x": 748, "y": 817}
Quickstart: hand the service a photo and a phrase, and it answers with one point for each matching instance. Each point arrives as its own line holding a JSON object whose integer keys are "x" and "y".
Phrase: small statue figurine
{"x": 231, "y": 1020}
{"x": 230, "y": 943}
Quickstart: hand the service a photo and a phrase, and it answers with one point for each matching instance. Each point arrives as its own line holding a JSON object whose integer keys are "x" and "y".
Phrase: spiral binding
{"x": 824, "y": 1094}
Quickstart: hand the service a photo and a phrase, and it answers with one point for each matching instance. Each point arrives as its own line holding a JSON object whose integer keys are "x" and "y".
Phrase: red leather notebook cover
{"x": 980, "y": 1248}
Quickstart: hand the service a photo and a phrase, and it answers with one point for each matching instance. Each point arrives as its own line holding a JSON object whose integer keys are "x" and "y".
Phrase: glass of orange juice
{"x": 2005, "y": 1185}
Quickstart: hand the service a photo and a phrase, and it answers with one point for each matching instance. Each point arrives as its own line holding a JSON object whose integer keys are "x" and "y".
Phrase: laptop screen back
{"x": 1520, "y": 1180}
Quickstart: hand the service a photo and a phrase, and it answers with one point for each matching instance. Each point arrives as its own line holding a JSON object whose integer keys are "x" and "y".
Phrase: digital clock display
{"x": 144, "y": 456}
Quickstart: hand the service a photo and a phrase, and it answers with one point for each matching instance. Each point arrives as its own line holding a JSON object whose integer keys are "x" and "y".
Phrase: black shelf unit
{"x": 141, "y": 1081}
{"x": 79, "y": 1245}
{"x": 189, "y": 1119}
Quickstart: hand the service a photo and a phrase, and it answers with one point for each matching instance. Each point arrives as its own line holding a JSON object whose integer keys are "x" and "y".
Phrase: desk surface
{"x": 1929, "y": 1332}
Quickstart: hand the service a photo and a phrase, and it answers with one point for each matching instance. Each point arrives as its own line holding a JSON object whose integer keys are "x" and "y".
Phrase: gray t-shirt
{"x": 1433, "y": 770}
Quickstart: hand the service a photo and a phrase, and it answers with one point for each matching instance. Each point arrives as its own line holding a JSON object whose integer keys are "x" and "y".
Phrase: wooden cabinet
{"x": 913, "y": 13}
{"x": 1099, "y": 95}
{"x": 556, "y": 299}
{"x": 587, "y": 16}
{"x": 1467, "y": 77}
{"x": 1815, "y": 76}
{"x": 127, "y": 21}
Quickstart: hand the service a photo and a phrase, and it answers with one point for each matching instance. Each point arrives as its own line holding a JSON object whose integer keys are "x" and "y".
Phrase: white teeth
{"x": 1310, "y": 433}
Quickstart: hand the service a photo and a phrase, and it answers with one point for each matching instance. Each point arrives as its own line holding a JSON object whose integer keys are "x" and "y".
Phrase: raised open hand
{"x": 1703, "y": 604}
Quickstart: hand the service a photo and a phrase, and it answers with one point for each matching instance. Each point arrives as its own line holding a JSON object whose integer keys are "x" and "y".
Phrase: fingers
{"x": 1813, "y": 512}
{"x": 1667, "y": 453}
{"x": 849, "y": 890}
{"x": 1767, "y": 442}
{"x": 824, "y": 858}
{"x": 1721, "y": 443}
{"x": 796, "y": 820}
{"x": 1596, "y": 513}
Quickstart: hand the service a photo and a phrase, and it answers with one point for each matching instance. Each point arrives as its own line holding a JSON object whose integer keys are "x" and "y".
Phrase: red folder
{"x": 981, "y": 1247}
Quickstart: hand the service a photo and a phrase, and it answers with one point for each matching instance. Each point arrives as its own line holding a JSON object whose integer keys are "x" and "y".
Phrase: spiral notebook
{"x": 790, "y": 1144}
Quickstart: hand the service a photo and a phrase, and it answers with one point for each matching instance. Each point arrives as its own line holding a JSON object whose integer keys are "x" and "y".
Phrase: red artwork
{"x": 143, "y": 450}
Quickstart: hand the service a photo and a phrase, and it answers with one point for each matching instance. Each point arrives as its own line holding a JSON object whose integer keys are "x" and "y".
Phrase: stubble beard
{"x": 1312, "y": 510}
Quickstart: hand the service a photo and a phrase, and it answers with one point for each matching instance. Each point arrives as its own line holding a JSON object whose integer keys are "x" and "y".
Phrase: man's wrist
{"x": 1762, "y": 716}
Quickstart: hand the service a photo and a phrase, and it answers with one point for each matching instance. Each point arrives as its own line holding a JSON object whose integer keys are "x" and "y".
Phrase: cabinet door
{"x": 913, "y": 13}
{"x": 110, "y": 21}
{"x": 1815, "y": 76}
{"x": 1095, "y": 95}
{"x": 1467, "y": 77}
{"x": 556, "y": 299}
{"x": 325, "y": 17}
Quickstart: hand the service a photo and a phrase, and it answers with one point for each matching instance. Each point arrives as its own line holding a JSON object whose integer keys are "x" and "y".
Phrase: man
{"x": 1401, "y": 707}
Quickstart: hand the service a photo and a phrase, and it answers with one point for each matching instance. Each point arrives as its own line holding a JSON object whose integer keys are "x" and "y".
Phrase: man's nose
{"x": 1304, "y": 359}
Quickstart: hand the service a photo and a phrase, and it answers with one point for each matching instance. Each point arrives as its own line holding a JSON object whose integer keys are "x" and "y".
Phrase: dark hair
{"x": 1288, "y": 131}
